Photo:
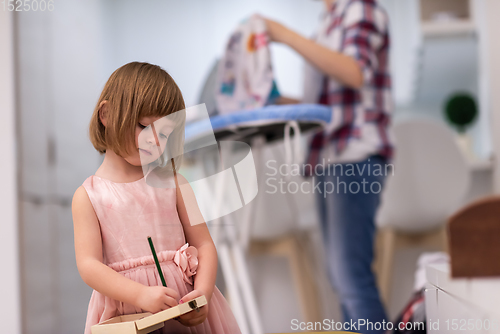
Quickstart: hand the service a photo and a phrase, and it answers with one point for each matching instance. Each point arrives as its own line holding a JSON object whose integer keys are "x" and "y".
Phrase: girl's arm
{"x": 88, "y": 250}
{"x": 197, "y": 235}
{"x": 344, "y": 69}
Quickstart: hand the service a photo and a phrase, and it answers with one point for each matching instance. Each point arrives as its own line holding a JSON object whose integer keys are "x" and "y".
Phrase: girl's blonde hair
{"x": 133, "y": 91}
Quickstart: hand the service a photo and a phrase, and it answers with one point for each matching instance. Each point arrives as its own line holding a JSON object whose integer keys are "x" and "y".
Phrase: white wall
{"x": 10, "y": 313}
{"x": 491, "y": 8}
{"x": 186, "y": 37}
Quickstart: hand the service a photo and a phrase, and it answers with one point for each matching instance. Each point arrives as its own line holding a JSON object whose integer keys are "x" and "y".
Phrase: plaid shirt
{"x": 359, "y": 29}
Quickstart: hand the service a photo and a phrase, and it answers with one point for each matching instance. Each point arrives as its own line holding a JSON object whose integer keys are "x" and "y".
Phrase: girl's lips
{"x": 145, "y": 151}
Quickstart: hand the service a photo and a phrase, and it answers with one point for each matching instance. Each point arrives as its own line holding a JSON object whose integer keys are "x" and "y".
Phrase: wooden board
{"x": 143, "y": 323}
{"x": 171, "y": 313}
{"x": 474, "y": 234}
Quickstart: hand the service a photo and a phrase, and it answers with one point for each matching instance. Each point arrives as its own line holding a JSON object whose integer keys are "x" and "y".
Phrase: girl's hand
{"x": 157, "y": 298}
{"x": 195, "y": 317}
{"x": 277, "y": 32}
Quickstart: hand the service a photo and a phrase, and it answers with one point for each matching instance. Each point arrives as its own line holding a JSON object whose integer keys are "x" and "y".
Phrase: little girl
{"x": 115, "y": 210}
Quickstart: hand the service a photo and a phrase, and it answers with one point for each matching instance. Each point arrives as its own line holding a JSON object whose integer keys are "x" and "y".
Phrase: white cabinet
{"x": 461, "y": 305}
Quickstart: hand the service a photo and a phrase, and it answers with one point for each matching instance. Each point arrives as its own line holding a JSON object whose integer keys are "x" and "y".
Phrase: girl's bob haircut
{"x": 133, "y": 91}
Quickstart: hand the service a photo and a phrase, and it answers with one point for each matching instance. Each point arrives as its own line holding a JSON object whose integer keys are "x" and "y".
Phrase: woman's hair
{"x": 134, "y": 91}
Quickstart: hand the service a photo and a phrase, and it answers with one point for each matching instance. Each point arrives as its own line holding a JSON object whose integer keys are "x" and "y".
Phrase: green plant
{"x": 461, "y": 111}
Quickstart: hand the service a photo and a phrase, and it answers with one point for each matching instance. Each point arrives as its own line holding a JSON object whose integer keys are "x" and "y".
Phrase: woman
{"x": 348, "y": 70}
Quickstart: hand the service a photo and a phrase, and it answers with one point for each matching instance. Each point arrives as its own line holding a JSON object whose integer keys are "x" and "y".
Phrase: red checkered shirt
{"x": 360, "y": 117}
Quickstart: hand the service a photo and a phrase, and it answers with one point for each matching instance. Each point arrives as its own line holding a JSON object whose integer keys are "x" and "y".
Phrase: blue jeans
{"x": 347, "y": 215}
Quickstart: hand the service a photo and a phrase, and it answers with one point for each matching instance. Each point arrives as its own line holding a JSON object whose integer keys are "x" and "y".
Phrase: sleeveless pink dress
{"x": 128, "y": 213}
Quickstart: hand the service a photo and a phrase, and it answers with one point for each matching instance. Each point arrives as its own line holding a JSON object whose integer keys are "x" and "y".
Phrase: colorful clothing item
{"x": 245, "y": 77}
{"x": 360, "y": 117}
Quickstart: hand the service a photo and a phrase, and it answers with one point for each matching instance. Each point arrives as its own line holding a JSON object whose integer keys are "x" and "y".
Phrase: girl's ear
{"x": 103, "y": 112}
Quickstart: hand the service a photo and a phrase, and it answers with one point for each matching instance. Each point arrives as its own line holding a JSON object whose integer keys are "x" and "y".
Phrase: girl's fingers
{"x": 192, "y": 295}
{"x": 197, "y": 321}
{"x": 169, "y": 301}
{"x": 194, "y": 317}
{"x": 193, "y": 322}
{"x": 172, "y": 293}
{"x": 195, "y": 313}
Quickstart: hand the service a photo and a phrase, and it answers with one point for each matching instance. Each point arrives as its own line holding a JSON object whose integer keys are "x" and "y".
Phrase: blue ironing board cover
{"x": 307, "y": 113}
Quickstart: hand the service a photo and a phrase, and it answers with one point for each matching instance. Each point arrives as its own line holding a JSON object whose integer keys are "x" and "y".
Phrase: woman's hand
{"x": 157, "y": 298}
{"x": 195, "y": 317}
{"x": 286, "y": 100}
{"x": 342, "y": 68}
{"x": 276, "y": 31}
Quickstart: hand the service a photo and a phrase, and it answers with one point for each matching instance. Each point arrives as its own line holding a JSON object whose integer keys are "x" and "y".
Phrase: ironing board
{"x": 267, "y": 121}
{"x": 257, "y": 128}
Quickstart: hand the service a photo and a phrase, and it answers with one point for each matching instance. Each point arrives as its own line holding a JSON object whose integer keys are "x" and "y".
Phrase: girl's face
{"x": 151, "y": 135}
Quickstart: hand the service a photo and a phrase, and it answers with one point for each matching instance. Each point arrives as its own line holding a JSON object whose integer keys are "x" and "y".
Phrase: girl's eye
{"x": 141, "y": 126}
{"x": 163, "y": 136}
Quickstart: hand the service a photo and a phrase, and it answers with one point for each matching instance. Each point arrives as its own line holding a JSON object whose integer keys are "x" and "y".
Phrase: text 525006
{"x": 28, "y": 5}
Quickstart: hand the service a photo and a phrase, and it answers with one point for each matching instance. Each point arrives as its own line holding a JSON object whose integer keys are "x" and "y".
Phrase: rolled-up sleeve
{"x": 365, "y": 34}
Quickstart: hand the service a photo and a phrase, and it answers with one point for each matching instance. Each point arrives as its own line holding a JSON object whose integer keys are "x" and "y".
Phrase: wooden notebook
{"x": 143, "y": 323}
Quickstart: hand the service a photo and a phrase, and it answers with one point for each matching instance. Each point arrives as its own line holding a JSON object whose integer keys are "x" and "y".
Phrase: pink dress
{"x": 128, "y": 213}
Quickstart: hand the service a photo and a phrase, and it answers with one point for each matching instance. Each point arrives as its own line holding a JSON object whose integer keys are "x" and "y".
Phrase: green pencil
{"x": 157, "y": 262}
